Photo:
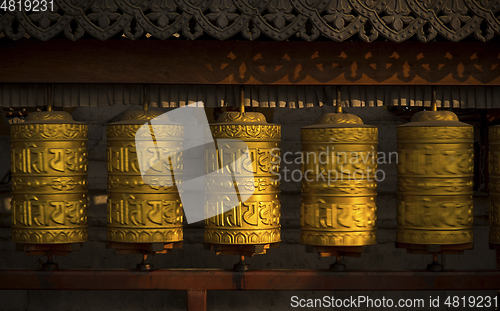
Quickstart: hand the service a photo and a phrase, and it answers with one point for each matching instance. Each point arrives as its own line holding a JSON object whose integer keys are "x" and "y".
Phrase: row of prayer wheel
{"x": 339, "y": 188}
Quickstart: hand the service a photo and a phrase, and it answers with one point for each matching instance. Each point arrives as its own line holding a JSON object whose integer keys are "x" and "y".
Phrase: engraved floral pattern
{"x": 339, "y": 134}
{"x": 246, "y": 131}
{"x": 395, "y": 20}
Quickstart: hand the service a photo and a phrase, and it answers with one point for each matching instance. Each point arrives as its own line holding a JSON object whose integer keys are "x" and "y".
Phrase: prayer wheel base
{"x": 435, "y": 267}
{"x": 330, "y": 251}
{"x": 240, "y": 249}
{"x": 143, "y": 248}
{"x": 241, "y": 266}
{"x": 425, "y": 249}
{"x": 338, "y": 266}
{"x": 48, "y": 249}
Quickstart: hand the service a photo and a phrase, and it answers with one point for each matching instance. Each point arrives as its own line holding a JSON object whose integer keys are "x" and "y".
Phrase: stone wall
{"x": 290, "y": 254}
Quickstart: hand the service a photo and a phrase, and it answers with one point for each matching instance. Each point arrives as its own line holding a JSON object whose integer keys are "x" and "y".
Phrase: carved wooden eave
{"x": 338, "y": 20}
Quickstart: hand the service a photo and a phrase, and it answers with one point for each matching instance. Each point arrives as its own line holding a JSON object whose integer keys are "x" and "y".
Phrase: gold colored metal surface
{"x": 339, "y": 118}
{"x": 494, "y": 168}
{"x": 257, "y": 220}
{"x": 339, "y": 188}
{"x": 49, "y": 179}
{"x": 435, "y": 176}
{"x": 142, "y": 211}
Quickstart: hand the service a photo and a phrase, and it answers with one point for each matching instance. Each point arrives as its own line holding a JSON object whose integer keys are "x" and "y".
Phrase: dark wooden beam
{"x": 200, "y": 280}
{"x": 243, "y": 62}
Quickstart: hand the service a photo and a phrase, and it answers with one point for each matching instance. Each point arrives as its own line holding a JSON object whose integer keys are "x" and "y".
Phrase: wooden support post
{"x": 196, "y": 300}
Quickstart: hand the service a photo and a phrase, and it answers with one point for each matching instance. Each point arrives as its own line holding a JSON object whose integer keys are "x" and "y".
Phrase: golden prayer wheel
{"x": 253, "y": 225}
{"x": 339, "y": 187}
{"x": 494, "y": 185}
{"x": 143, "y": 210}
{"x": 49, "y": 179}
{"x": 435, "y": 178}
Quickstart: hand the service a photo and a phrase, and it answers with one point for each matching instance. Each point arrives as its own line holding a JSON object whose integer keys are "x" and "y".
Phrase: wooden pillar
{"x": 196, "y": 300}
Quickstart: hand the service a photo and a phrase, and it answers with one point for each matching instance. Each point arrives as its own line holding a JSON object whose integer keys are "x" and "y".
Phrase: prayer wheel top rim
{"x": 338, "y": 120}
{"x": 140, "y": 117}
{"x": 236, "y": 117}
{"x": 50, "y": 117}
{"x": 435, "y": 118}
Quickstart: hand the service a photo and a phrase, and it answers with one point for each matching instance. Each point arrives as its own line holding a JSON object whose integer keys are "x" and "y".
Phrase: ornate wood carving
{"x": 338, "y": 20}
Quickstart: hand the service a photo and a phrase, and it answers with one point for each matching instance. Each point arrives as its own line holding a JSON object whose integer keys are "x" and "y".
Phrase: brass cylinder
{"x": 339, "y": 186}
{"x": 494, "y": 184}
{"x": 49, "y": 179}
{"x": 143, "y": 210}
{"x": 435, "y": 176}
{"x": 257, "y": 220}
